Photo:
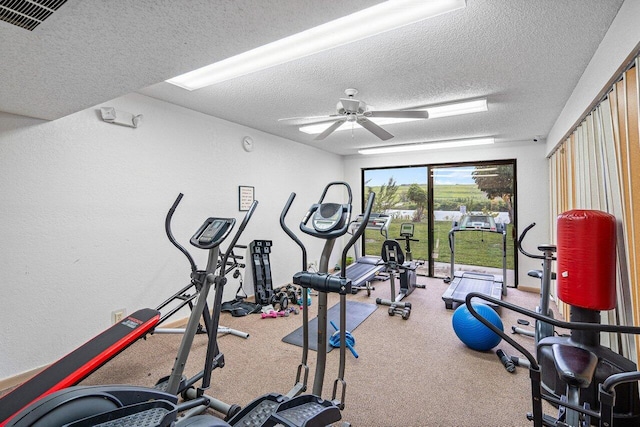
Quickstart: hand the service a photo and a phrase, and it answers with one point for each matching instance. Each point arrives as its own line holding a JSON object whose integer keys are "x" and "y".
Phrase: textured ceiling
{"x": 524, "y": 56}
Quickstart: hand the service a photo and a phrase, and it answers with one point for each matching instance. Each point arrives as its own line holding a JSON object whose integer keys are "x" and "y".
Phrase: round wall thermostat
{"x": 247, "y": 143}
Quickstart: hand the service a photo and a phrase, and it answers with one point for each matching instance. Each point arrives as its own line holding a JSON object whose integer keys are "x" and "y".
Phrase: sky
{"x": 457, "y": 175}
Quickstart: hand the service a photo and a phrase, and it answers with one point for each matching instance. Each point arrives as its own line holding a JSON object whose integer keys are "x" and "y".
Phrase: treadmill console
{"x": 478, "y": 222}
{"x": 212, "y": 232}
{"x": 377, "y": 221}
{"x": 328, "y": 217}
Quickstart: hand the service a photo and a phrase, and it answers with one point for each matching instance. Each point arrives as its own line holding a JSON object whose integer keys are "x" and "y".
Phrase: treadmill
{"x": 465, "y": 282}
{"x": 367, "y": 268}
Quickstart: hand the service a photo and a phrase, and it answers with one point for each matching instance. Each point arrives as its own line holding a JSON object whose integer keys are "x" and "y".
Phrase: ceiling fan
{"x": 352, "y": 110}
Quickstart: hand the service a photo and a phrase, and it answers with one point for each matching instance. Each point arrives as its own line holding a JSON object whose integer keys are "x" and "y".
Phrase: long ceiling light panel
{"x": 369, "y": 22}
{"x": 427, "y": 146}
{"x": 436, "y": 111}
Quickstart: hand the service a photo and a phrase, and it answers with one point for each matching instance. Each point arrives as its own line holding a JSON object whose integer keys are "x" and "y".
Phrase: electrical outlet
{"x": 117, "y": 316}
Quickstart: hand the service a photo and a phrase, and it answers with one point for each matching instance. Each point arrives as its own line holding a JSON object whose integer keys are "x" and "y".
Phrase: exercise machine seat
{"x": 392, "y": 252}
{"x": 538, "y": 274}
{"x": 575, "y": 365}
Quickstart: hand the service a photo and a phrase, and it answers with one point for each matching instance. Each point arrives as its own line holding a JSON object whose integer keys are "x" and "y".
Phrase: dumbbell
{"x": 404, "y": 312}
{"x": 274, "y": 314}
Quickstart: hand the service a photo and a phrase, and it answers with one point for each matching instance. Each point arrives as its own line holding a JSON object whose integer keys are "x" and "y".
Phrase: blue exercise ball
{"x": 472, "y": 332}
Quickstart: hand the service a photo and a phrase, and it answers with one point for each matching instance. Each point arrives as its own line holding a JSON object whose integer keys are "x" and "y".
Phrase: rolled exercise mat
{"x": 587, "y": 259}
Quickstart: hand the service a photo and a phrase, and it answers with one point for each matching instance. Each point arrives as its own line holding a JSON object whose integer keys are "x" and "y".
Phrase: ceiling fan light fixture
{"x": 368, "y": 22}
{"x": 427, "y": 146}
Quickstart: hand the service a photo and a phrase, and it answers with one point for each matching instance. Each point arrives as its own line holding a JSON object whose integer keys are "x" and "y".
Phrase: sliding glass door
{"x": 435, "y": 198}
{"x": 481, "y": 195}
{"x": 401, "y": 193}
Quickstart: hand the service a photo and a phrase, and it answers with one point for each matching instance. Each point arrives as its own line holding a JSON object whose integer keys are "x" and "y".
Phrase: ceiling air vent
{"x": 28, "y": 14}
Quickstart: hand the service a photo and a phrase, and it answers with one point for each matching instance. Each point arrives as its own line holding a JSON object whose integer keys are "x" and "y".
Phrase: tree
{"x": 385, "y": 196}
{"x": 417, "y": 195}
{"x": 496, "y": 181}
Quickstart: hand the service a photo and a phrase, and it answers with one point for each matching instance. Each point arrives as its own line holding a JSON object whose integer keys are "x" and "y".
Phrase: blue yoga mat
{"x": 357, "y": 312}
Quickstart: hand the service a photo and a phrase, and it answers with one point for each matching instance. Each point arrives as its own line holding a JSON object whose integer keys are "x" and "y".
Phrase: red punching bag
{"x": 587, "y": 259}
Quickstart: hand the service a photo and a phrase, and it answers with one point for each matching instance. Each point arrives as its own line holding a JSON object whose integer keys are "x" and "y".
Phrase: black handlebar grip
{"x": 323, "y": 282}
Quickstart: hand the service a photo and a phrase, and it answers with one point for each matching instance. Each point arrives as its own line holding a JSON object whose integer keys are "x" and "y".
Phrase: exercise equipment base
{"x": 464, "y": 283}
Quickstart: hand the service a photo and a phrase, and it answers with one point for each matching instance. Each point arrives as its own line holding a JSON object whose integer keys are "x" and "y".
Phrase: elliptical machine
{"x": 118, "y": 405}
{"x": 328, "y": 222}
{"x": 187, "y": 295}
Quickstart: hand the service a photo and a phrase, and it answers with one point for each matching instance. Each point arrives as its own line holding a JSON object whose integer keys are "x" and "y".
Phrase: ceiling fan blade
{"x": 350, "y": 104}
{"x": 374, "y": 128}
{"x": 403, "y": 114}
{"x": 328, "y": 131}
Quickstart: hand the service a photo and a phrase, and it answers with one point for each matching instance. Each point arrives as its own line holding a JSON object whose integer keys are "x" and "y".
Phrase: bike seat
{"x": 538, "y": 274}
{"x": 575, "y": 365}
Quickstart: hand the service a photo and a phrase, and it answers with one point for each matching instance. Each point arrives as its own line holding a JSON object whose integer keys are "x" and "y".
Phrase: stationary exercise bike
{"x": 394, "y": 261}
{"x": 119, "y": 405}
{"x": 542, "y": 329}
{"x": 406, "y": 234}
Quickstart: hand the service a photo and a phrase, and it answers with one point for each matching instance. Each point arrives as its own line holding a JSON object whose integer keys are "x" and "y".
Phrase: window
{"x": 434, "y": 198}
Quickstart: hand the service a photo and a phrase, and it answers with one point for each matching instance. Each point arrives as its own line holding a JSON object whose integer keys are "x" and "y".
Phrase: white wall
{"x": 83, "y": 203}
{"x": 532, "y": 181}
{"x": 620, "y": 41}
{"x": 83, "y": 208}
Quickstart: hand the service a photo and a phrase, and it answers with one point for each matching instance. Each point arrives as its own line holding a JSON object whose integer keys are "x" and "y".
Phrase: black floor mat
{"x": 357, "y": 312}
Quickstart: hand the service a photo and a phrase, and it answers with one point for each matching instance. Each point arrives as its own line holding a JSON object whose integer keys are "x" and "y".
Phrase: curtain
{"x": 598, "y": 167}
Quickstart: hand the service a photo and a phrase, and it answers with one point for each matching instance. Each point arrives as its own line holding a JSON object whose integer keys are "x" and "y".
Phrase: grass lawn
{"x": 472, "y": 247}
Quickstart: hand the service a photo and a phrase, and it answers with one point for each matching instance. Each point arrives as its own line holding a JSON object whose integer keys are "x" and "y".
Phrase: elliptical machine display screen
{"x": 212, "y": 232}
{"x": 327, "y": 217}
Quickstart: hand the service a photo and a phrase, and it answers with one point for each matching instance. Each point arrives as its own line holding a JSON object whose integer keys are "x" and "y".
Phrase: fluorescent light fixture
{"x": 427, "y": 146}
{"x": 351, "y": 28}
{"x": 457, "y": 108}
{"x": 435, "y": 111}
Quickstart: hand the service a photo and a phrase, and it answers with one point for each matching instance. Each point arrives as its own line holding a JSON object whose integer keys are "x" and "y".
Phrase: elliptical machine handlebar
{"x": 234, "y": 242}
{"x": 580, "y": 326}
{"x": 167, "y": 228}
{"x": 290, "y": 233}
{"x": 324, "y": 193}
{"x": 525, "y": 253}
{"x": 356, "y": 235}
{"x": 325, "y": 282}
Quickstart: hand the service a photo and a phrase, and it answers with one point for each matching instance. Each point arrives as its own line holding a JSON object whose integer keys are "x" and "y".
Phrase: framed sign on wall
{"x": 246, "y": 195}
